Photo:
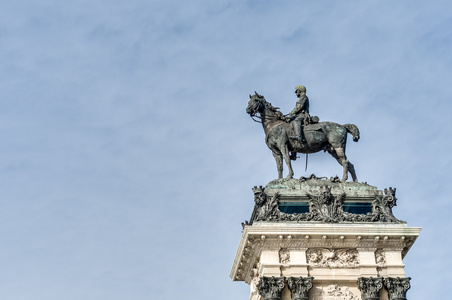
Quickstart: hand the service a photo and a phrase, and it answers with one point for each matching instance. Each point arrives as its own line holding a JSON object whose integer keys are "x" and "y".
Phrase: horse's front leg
{"x": 343, "y": 161}
{"x": 285, "y": 153}
{"x": 279, "y": 165}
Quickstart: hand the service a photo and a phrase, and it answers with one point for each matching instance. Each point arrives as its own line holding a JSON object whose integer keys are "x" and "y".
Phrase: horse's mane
{"x": 269, "y": 105}
{"x": 272, "y": 108}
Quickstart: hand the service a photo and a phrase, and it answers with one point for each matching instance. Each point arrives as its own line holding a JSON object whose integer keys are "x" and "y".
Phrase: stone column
{"x": 299, "y": 287}
{"x": 271, "y": 287}
{"x": 370, "y": 287}
{"x": 397, "y": 287}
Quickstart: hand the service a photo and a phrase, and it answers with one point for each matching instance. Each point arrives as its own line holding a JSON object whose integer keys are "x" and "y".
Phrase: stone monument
{"x": 319, "y": 238}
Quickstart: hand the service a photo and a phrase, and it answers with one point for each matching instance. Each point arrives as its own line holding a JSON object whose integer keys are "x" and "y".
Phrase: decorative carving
{"x": 299, "y": 287}
{"x": 380, "y": 258}
{"x": 259, "y": 195}
{"x": 370, "y": 287}
{"x": 408, "y": 244}
{"x": 265, "y": 209}
{"x": 397, "y": 287}
{"x": 324, "y": 207}
{"x": 255, "y": 280}
{"x": 271, "y": 287}
{"x": 245, "y": 223}
{"x": 382, "y": 207}
{"x": 333, "y": 292}
{"x": 284, "y": 256}
{"x": 303, "y": 179}
{"x": 334, "y": 179}
{"x": 332, "y": 258}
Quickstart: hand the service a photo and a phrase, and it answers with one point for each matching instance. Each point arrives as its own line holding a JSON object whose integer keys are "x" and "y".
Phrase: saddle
{"x": 307, "y": 124}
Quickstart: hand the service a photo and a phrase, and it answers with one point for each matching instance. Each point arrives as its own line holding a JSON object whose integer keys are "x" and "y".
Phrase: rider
{"x": 300, "y": 114}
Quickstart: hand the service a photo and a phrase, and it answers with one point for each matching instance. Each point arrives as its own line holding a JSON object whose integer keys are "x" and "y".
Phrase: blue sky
{"x": 127, "y": 158}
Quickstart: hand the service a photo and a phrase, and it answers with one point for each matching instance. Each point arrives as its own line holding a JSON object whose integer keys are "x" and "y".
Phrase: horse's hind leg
{"x": 351, "y": 169}
{"x": 279, "y": 165}
{"x": 339, "y": 155}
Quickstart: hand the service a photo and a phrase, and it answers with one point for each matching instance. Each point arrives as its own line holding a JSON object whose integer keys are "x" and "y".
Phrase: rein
{"x": 263, "y": 118}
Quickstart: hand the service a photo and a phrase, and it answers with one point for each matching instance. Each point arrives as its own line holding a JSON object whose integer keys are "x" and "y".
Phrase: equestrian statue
{"x": 298, "y": 132}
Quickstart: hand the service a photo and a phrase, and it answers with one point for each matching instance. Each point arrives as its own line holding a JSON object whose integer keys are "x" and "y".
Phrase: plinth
{"x": 320, "y": 239}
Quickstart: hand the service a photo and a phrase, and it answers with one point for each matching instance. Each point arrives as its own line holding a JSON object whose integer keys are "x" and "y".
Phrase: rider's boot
{"x": 298, "y": 134}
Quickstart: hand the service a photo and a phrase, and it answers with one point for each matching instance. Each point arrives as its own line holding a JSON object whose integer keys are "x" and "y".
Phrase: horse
{"x": 326, "y": 136}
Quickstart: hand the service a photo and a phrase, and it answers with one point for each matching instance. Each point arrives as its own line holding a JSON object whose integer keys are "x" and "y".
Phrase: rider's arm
{"x": 299, "y": 107}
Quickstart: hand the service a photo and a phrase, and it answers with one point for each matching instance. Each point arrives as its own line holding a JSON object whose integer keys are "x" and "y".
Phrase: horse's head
{"x": 256, "y": 104}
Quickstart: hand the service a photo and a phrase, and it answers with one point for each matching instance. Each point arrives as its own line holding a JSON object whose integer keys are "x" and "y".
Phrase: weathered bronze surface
{"x": 397, "y": 287}
{"x": 324, "y": 207}
{"x": 270, "y": 288}
{"x": 286, "y": 133}
{"x": 370, "y": 287}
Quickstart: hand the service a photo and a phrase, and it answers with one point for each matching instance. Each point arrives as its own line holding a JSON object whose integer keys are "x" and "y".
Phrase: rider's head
{"x": 300, "y": 89}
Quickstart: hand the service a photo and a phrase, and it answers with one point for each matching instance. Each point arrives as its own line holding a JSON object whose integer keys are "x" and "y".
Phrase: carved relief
{"x": 397, "y": 287}
{"x": 266, "y": 209}
{"x": 324, "y": 207}
{"x": 299, "y": 287}
{"x": 284, "y": 256}
{"x": 271, "y": 287}
{"x": 333, "y": 292}
{"x": 259, "y": 195}
{"x": 255, "y": 281}
{"x": 332, "y": 258}
{"x": 382, "y": 207}
{"x": 370, "y": 287}
{"x": 314, "y": 256}
{"x": 380, "y": 258}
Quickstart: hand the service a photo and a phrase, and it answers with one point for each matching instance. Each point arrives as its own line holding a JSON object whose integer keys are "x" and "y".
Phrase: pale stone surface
{"x": 343, "y": 290}
{"x": 348, "y": 251}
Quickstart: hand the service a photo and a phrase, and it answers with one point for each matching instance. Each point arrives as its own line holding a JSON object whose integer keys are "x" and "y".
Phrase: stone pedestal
{"x": 324, "y": 250}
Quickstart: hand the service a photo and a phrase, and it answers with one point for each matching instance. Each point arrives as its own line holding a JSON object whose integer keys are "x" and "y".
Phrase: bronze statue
{"x": 300, "y": 114}
{"x": 326, "y": 136}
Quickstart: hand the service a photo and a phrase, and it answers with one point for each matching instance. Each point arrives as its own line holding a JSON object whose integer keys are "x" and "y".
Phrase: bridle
{"x": 262, "y": 119}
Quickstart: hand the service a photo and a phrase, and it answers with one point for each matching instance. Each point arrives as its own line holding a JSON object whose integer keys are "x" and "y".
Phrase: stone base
{"x": 336, "y": 255}
{"x": 333, "y": 246}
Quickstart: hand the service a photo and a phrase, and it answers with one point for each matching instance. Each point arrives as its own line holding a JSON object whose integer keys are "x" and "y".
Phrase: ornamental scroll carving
{"x": 333, "y": 292}
{"x": 299, "y": 287}
{"x": 271, "y": 287}
{"x": 324, "y": 207}
{"x": 397, "y": 287}
{"x": 380, "y": 258}
{"x": 267, "y": 209}
{"x": 284, "y": 256}
{"x": 255, "y": 280}
{"x": 370, "y": 287}
{"x": 332, "y": 258}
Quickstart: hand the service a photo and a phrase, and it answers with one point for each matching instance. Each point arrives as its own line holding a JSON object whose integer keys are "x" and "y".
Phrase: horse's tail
{"x": 353, "y": 130}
